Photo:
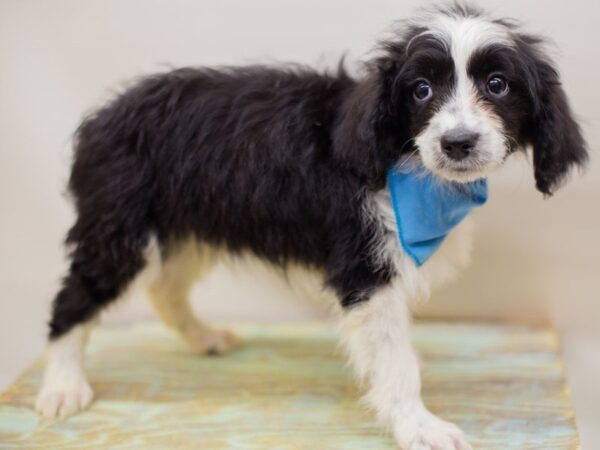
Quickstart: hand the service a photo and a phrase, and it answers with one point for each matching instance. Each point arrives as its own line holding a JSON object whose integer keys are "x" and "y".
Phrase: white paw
{"x": 63, "y": 397}
{"x": 205, "y": 341}
{"x": 421, "y": 430}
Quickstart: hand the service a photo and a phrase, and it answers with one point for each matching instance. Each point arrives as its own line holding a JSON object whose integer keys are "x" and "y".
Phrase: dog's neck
{"x": 427, "y": 208}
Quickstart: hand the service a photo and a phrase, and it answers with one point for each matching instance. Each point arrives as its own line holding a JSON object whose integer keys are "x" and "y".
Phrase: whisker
{"x": 407, "y": 158}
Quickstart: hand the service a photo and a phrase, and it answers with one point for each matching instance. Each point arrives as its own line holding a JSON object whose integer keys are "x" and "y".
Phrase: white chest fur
{"x": 453, "y": 255}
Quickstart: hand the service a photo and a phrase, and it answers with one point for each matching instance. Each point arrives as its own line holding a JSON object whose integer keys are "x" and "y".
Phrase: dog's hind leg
{"x": 183, "y": 264}
{"x": 65, "y": 389}
{"x": 102, "y": 267}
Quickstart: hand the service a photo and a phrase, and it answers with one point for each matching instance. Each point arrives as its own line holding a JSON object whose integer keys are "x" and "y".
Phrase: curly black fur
{"x": 241, "y": 158}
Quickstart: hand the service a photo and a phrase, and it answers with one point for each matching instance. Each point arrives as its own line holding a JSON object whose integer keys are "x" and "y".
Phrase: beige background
{"x": 534, "y": 260}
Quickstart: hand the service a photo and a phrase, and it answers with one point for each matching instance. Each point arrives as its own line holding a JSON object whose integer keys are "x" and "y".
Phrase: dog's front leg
{"x": 377, "y": 335}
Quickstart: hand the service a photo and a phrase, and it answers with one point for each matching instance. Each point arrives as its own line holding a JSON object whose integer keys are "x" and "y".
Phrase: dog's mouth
{"x": 464, "y": 171}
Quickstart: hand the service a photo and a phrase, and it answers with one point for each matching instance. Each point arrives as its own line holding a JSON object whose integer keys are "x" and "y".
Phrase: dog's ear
{"x": 558, "y": 145}
{"x": 364, "y": 123}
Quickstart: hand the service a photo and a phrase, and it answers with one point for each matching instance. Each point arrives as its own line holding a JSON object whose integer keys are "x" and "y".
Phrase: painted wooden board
{"x": 288, "y": 388}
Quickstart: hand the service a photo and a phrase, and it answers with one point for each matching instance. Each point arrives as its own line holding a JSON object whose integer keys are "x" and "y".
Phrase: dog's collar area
{"x": 427, "y": 208}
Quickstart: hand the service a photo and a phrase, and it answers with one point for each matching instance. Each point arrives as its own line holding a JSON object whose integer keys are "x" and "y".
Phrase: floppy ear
{"x": 365, "y": 127}
{"x": 558, "y": 145}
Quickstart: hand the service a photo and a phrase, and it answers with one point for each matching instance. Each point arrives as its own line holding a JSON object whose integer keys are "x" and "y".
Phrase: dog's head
{"x": 462, "y": 92}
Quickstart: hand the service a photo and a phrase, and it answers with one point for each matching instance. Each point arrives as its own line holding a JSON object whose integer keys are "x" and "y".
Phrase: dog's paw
{"x": 60, "y": 399}
{"x": 421, "y": 430}
{"x": 206, "y": 341}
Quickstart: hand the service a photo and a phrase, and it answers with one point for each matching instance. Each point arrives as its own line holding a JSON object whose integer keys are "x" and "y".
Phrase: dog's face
{"x": 464, "y": 98}
{"x": 462, "y": 92}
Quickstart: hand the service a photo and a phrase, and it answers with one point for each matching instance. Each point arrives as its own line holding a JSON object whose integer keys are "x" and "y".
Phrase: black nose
{"x": 458, "y": 143}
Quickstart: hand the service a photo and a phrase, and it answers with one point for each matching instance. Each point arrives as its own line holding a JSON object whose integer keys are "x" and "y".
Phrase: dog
{"x": 291, "y": 165}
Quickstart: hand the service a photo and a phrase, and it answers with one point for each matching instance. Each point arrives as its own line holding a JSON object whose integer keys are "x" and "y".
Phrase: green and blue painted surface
{"x": 288, "y": 388}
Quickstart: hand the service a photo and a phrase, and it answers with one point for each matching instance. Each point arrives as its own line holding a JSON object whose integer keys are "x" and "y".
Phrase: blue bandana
{"x": 427, "y": 209}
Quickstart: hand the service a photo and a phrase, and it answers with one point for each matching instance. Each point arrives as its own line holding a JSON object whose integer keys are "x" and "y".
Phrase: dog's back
{"x": 237, "y": 158}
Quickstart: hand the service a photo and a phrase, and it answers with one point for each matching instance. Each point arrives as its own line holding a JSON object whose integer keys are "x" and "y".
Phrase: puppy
{"x": 292, "y": 166}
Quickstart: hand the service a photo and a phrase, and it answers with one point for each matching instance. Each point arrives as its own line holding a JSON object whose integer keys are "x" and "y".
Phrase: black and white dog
{"x": 289, "y": 165}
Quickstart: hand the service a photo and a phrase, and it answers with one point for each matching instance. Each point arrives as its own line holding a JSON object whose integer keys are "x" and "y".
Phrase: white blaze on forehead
{"x": 461, "y": 35}
{"x": 464, "y": 35}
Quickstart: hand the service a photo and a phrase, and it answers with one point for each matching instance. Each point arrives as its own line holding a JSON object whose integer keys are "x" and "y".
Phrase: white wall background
{"x": 534, "y": 260}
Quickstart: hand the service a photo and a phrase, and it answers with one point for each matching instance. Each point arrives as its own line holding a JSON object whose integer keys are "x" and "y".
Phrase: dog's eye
{"x": 497, "y": 86}
{"x": 423, "y": 91}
